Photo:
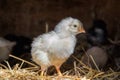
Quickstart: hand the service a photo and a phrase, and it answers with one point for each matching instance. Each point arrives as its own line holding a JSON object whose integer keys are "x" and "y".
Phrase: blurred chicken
{"x": 55, "y": 47}
{"x": 97, "y": 34}
{"x": 97, "y": 38}
{"x": 5, "y": 48}
{"x": 21, "y": 49}
{"x": 99, "y": 56}
{"x": 23, "y": 44}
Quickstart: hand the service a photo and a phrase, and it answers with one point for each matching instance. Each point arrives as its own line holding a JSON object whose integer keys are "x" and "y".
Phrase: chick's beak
{"x": 81, "y": 30}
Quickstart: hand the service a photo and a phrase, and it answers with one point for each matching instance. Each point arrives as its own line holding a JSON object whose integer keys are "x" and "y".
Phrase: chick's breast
{"x": 49, "y": 49}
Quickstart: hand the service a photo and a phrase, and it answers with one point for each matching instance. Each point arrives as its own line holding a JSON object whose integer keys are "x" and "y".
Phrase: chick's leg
{"x": 43, "y": 71}
{"x": 58, "y": 70}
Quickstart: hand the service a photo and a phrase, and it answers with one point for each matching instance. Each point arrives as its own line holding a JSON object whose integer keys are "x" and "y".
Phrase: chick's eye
{"x": 75, "y": 26}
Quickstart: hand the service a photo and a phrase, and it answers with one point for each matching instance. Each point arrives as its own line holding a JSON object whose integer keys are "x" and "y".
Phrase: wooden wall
{"x": 28, "y": 17}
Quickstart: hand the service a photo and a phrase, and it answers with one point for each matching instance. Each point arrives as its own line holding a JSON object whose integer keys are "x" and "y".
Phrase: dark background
{"x": 28, "y": 17}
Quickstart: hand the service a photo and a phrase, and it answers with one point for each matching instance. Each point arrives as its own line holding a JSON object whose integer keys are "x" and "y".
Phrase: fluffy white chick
{"x": 54, "y": 48}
